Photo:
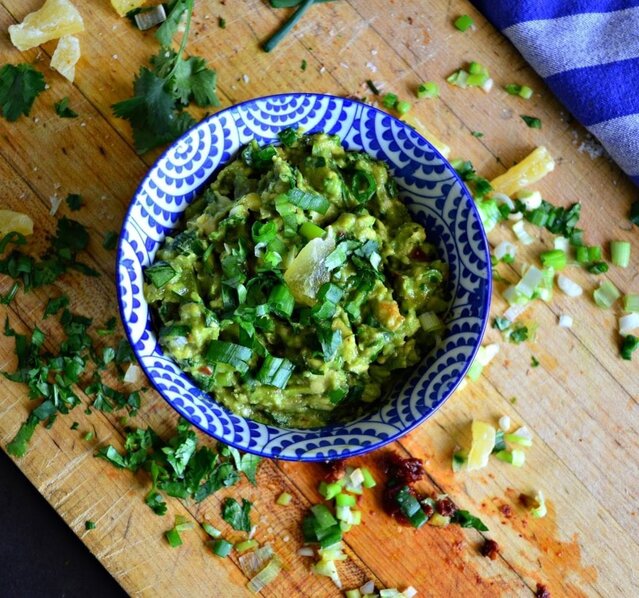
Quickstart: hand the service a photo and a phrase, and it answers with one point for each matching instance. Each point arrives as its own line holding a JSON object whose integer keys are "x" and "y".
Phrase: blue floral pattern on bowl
{"x": 435, "y": 197}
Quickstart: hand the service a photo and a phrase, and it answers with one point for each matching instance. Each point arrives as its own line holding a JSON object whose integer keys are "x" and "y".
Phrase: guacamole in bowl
{"x": 297, "y": 286}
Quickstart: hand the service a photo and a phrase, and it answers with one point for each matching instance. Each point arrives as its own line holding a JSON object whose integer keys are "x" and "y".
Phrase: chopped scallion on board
{"x": 463, "y": 23}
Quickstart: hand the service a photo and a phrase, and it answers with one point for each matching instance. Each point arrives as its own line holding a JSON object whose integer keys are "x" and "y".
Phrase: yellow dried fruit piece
{"x": 531, "y": 169}
{"x": 55, "y": 19}
{"x": 66, "y": 56}
{"x": 482, "y": 445}
{"x": 124, "y": 6}
{"x": 15, "y": 222}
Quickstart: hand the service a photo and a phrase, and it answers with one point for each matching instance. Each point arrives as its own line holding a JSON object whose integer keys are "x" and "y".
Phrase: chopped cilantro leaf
{"x": 221, "y": 22}
{"x": 519, "y": 334}
{"x": 532, "y": 121}
{"x": 236, "y": 515}
{"x": 74, "y": 201}
{"x": 74, "y": 426}
{"x": 19, "y": 87}
{"x": 534, "y": 362}
{"x": 465, "y": 519}
{"x": 63, "y": 110}
{"x": 156, "y": 501}
{"x": 303, "y": 64}
{"x": 18, "y": 446}
{"x": 55, "y": 304}
{"x": 110, "y": 240}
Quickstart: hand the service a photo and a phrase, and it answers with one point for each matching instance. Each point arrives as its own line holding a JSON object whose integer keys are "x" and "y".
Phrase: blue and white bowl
{"x": 435, "y": 197}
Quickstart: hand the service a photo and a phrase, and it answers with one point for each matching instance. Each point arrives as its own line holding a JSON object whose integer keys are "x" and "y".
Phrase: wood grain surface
{"x": 581, "y": 403}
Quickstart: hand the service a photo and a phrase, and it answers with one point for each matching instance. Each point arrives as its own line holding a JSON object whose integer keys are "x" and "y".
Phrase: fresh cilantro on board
{"x": 63, "y": 110}
{"x": 236, "y": 515}
{"x": 465, "y": 519}
{"x": 20, "y": 85}
{"x": 179, "y": 467}
{"x": 156, "y": 111}
{"x": 74, "y": 201}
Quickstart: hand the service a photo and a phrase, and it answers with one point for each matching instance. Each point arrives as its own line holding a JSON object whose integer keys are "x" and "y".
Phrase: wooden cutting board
{"x": 580, "y": 403}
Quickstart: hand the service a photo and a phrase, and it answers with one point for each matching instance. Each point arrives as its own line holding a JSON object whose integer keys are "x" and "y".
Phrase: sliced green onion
{"x": 275, "y": 371}
{"x": 513, "y": 89}
{"x": 403, "y": 107}
{"x": 410, "y": 507}
{"x": 565, "y": 321}
{"x": 323, "y": 516}
{"x": 458, "y": 78}
{"x": 284, "y": 499}
{"x": 515, "y": 438}
{"x": 356, "y": 517}
{"x": 477, "y": 79}
{"x": 629, "y": 345}
{"x": 489, "y": 213}
{"x": 229, "y": 353}
{"x": 582, "y": 255}
{"x": 283, "y": 31}
{"x": 329, "y": 536}
{"x": 539, "y": 510}
{"x": 328, "y": 569}
{"x": 532, "y": 200}
{"x": 345, "y": 500}
{"x": 606, "y": 294}
{"x": 430, "y": 322}
{"x": 555, "y": 258}
{"x": 265, "y": 576}
{"x": 545, "y": 288}
{"x": 631, "y": 303}
{"x": 210, "y": 530}
{"x": 182, "y": 524}
{"x": 562, "y": 243}
{"x": 353, "y": 593}
{"x": 246, "y": 545}
{"x": 329, "y": 491}
{"x": 525, "y": 92}
{"x": 515, "y": 457}
{"x": 620, "y": 253}
{"x": 221, "y": 547}
{"x": 173, "y": 538}
{"x": 369, "y": 480}
{"x": 529, "y": 282}
{"x": 463, "y": 23}
{"x": 390, "y": 100}
{"x": 521, "y": 233}
{"x": 89, "y": 525}
{"x": 429, "y": 89}
{"x": 309, "y": 231}
{"x": 594, "y": 253}
{"x": 308, "y": 201}
{"x": 281, "y": 301}
{"x": 597, "y": 268}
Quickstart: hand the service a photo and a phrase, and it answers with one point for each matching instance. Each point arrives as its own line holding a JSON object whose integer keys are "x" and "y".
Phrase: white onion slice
{"x": 505, "y": 248}
{"x": 531, "y": 199}
{"x": 486, "y": 354}
{"x": 488, "y": 85}
{"x": 306, "y": 551}
{"x": 562, "y": 243}
{"x": 410, "y": 592}
{"x": 504, "y": 423}
{"x": 502, "y": 198}
{"x": 568, "y": 286}
{"x": 368, "y": 587}
{"x": 565, "y": 321}
{"x": 521, "y": 233}
{"x": 530, "y": 281}
{"x": 628, "y": 323}
{"x": 514, "y": 311}
{"x": 132, "y": 374}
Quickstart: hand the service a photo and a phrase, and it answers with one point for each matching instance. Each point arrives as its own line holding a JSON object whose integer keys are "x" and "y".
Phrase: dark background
{"x": 39, "y": 554}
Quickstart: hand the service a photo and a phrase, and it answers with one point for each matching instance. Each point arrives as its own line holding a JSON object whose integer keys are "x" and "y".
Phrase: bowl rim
{"x": 350, "y": 452}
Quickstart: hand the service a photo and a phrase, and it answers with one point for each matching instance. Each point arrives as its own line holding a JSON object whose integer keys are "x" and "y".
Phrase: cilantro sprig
{"x": 156, "y": 111}
{"x": 20, "y": 85}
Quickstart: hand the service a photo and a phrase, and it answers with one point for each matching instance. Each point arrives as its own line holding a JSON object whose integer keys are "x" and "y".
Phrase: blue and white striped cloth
{"x": 588, "y": 53}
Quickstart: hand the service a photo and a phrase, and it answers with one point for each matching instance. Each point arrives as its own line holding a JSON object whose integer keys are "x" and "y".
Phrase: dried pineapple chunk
{"x": 15, "y": 222}
{"x": 124, "y": 6}
{"x": 55, "y": 19}
{"x": 65, "y": 56}
{"x": 532, "y": 168}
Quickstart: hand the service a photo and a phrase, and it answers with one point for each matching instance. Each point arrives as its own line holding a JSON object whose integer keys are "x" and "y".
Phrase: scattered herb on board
{"x": 534, "y": 362}
{"x": 178, "y": 467}
{"x": 303, "y": 64}
{"x": 634, "y": 212}
{"x": 532, "y": 121}
{"x": 110, "y": 240}
{"x": 89, "y": 525}
{"x": 63, "y": 110}
{"x": 236, "y": 515}
{"x": 372, "y": 87}
{"x": 53, "y": 378}
{"x": 20, "y": 85}
{"x": 221, "y": 22}
{"x": 74, "y": 201}
{"x": 156, "y": 111}
{"x": 61, "y": 256}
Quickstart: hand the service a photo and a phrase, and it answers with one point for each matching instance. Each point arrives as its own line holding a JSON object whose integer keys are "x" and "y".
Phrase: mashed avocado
{"x": 298, "y": 284}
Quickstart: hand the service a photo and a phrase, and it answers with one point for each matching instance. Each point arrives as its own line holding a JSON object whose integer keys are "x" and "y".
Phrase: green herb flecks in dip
{"x": 298, "y": 285}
